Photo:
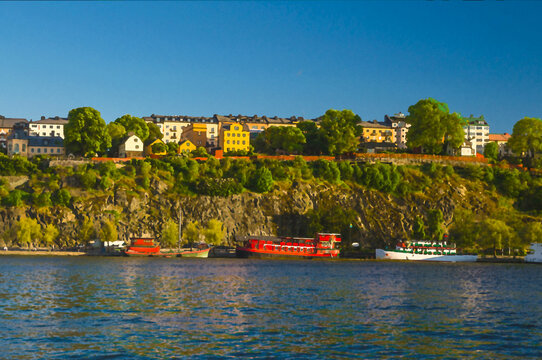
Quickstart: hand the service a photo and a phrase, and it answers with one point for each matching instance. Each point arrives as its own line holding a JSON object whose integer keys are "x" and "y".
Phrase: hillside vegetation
{"x": 482, "y": 208}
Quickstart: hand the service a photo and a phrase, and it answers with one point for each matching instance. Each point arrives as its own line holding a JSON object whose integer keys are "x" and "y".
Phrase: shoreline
{"x": 42, "y": 253}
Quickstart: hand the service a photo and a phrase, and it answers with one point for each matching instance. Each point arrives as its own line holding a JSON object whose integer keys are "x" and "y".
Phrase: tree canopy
{"x": 315, "y": 142}
{"x": 280, "y": 138}
{"x": 491, "y": 150}
{"x": 526, "y": 137}
{"x": 154, "y": 131}
{"x": 433, "y": 127}
{"x": 85, "y": 133}
{"x": 341, "y": 130}
{"x": 134, "y": 124}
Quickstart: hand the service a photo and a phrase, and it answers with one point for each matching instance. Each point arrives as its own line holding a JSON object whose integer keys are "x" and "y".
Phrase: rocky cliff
{"x": 380, "y": 218}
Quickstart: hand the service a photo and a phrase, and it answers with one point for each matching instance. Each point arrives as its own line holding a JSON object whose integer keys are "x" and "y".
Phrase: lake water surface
{"x": 143, "y": 308}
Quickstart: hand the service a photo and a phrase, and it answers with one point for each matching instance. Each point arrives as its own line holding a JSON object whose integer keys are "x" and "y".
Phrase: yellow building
{"x": 234, "y": 137}
{"x": 149, "y": 151}
{"x": 186, "y": 147}
{"x": 375, "y": 132}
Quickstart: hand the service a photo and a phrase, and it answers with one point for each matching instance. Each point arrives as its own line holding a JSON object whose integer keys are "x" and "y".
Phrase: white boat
{"x": 424, "y": 251}
{"x": 535, "y": 253}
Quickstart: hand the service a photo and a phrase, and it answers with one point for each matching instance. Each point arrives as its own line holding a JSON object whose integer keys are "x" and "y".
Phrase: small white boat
{"x": 535, "y": 253}
{"x": 424, "y": 251}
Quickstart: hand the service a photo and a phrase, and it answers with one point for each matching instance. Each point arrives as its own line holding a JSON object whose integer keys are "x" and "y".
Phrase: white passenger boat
{"x": 424, "y": 251}
{"x": 535, "y": 253}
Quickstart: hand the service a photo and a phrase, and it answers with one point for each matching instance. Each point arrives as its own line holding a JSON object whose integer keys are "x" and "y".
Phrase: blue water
{"x": 108, "y": 308}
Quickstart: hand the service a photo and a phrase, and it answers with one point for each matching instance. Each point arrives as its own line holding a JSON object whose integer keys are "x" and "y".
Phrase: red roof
{"x": 499, "y": 137}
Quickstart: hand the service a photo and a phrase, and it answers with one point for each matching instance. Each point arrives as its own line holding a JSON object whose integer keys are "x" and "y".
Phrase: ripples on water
{"x": 163, "y": 308}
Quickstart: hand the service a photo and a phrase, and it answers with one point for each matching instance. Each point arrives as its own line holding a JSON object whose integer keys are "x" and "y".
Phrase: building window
{"x": 235, "y": 128}
{"x": 24, "y": 147}
{"x": 58, "y": 151}
{"x": 243, "y": 142}
{"x": 16, "y": 150}
{"x": 32, "y": 150}
{"x": 52, "y": 151}
{"x": 39, "y": 150}
{"x": 137, "y": 146}
{"x": 227, "y": 142}
{"x": 244, "y": 134}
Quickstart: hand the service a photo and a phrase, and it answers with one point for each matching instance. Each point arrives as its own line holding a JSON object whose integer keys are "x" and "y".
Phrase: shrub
{"x": 261, "y": 180}
{"x": 61, "y": 197}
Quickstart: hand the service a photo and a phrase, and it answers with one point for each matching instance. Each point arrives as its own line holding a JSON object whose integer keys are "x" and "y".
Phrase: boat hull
{"x": 196, "y": 253}
{"x": 396, "y": 255}
{"x": 243, "y": 252}
{"x": 536, "y": 255}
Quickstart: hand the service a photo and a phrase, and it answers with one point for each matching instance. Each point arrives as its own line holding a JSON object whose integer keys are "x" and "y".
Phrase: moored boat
{"x": 143, "y": 247}
{"x": 535, "y": 253}
{"x": 424, "y": 251}
{"x": 323, "y": 245}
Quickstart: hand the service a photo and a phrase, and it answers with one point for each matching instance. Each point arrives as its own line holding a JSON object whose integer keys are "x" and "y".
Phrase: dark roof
{"x": 55, "y": 120}
{"x": 9, "y": 122}
{"x": 53, "y": 141}
{"x": 374, "y": 124}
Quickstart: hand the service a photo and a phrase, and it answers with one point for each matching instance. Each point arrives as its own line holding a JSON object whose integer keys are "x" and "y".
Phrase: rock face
{"x": 380, "y": 218}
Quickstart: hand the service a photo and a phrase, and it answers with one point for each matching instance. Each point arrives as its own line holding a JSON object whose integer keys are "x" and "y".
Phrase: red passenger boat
{"x": 143, "y": 247}
{"x": 322, "y": 246}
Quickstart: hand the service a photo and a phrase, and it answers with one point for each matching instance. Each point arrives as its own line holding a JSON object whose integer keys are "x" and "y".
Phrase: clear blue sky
{"x": 276, "y": 58}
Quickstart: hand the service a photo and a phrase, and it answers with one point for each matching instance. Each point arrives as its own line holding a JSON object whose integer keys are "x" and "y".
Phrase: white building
{"x": 48, "y": 127}
{"x": 476, "y": 131}
{"x": 131, "y": 146}
{"x": 397, "y": 122}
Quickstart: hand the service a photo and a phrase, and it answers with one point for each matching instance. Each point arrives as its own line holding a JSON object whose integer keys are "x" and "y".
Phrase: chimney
{"x": 43, "y": 117}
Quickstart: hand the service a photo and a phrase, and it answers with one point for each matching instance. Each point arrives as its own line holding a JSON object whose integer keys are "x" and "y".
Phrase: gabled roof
{"x": 129, "y": 135}
{"x": 499, "y": 137}
{"x": 9, "y": 122}
{"x": 149, "y": 142}
{"x": 54, "y": 121}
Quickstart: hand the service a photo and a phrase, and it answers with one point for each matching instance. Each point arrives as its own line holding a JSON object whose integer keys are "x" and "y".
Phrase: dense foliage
{"x": 433, "y": 128}
{"x": 60, "y": 187}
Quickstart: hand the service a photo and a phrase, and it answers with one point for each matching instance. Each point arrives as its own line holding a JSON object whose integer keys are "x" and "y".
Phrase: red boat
{"x": 322, "y": 246}
{"x": 143, "y": 247}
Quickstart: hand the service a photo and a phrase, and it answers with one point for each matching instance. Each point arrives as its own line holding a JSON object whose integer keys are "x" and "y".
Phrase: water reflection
{"x": 156, "y": 308}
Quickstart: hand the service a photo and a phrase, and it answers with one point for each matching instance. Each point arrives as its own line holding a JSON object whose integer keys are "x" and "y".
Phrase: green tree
{"x": 172, "y": 148}
{"x": 170, "y": 234}
{"x": 526, "y": 138}
{"x": 50, "y": 234}
{"x": 86, "y": 133}
{"x": 134, "y": 124}
{"x": 192, "y": 232}
{"x": 28, "y": 231}
{"x": 435, "y": 224}
{"x": 491, "y": 151}
{"x": 214, "y": 232}
{"x": 433, "y": 127}
{"x": 159, "y": 148}
{"x": 108, "y": 232}
{"x": 418, "y": 232}
{"x": 61, "y": 197}
{"x": 154, "y": 131}
{"x": 494, "y": 234}
{"x": 117, "y": 132}
{"x": 287, "y": 139}
{"x": 314, "y": 139}
{"x": 42, "y": 199}
{"x": 15, "y": 198}
{"x": 341, "y": 131}
{"x": 87, "y": 231}
{"x": 261, "y": 180}
{"x": 200, "y": 152}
